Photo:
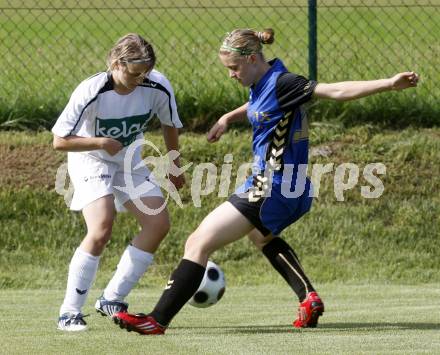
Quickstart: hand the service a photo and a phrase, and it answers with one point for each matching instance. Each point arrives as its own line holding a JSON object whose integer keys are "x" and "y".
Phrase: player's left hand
{"x": 404, "y": 80}
{"x": 177, "y": 181}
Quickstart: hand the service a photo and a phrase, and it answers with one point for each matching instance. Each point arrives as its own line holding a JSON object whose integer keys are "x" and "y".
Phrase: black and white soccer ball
{"x": 211, "y": 288}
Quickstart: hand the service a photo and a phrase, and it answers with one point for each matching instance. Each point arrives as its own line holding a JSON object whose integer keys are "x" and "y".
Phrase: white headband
{"x": 136, "y": 61}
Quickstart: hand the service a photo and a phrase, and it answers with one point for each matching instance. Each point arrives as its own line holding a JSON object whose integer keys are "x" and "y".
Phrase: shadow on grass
{"x": 380, "y": 326}
{"x": 277, "y": 329}
{"x": 242, "y": 329}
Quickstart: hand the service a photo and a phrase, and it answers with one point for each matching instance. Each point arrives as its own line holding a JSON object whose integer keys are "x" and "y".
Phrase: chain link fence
{"x": 48, "y": 47}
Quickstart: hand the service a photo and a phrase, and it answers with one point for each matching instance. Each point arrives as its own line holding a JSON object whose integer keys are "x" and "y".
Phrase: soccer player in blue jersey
{"x": 263, "y": 206}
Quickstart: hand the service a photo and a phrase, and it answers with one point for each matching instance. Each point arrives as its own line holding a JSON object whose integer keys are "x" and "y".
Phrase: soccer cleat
{"x": 140, "y": 323}
{"x": 309, "y": 311}
{"x": 70, "y": 322}
{"x": 109, "y": 308}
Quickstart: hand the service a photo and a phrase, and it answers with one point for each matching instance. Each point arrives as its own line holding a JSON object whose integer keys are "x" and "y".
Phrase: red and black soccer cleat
{"x": 309, "y": 311}
{"x": 140, "y": 323}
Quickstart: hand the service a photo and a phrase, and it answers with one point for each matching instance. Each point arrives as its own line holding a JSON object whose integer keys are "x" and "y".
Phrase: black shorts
{"x": 251, "y": 210}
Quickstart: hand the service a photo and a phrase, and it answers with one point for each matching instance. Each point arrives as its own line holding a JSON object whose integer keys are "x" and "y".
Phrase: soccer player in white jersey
{"x": 105, "y": 114}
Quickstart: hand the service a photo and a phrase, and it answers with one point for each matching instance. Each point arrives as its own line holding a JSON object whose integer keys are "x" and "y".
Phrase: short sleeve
{"x": 166, "y": 105}
{"x": 80, "y": 106}
{"x": 69, "y": 120}
{"x": 293, "y": 90}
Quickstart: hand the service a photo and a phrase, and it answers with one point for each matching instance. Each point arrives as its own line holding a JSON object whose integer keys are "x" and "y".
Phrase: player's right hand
{"x": 111, "y": 146}
{"x": 217, "y": 130}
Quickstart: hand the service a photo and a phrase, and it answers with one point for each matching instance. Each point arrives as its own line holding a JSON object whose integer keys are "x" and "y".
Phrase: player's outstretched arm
{"x": 350, "y": 90}
{"x": 220, "y": 127}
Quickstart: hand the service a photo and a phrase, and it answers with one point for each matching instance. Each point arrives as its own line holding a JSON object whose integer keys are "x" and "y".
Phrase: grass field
{"x": 359, "y": 319}
{"x": 51, "y": 47}
{"x": 375, "y": 261}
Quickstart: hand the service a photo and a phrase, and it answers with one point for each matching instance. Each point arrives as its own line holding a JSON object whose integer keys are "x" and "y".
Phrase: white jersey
{"x": 95, "y": 109}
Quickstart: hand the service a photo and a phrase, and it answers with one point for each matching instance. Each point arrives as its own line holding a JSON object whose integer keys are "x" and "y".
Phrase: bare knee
{"x": 99, "y": 216}
{"x": 152, "y": 233}
{"x": 197, "y": 249}
{"x": 163, "y": 226}
{"x": 159, "y": 226}
{"x": 192, "y": 245}
{"x": 98, "y": 237}
{"x": 259, "y": 240}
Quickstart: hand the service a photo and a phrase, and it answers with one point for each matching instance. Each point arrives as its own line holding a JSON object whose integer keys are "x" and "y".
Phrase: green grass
{"x": 394, "y": 238}
{"x": 50, "y": 48}
{"x": 359, "y": 319}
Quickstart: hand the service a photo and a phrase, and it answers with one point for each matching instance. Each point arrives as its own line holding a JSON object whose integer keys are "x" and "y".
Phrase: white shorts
{"x": 93, "y": 178}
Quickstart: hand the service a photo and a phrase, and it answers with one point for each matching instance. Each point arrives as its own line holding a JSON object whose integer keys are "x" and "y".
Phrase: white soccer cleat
{"x": 109, "y": 308}
{"x": 70, "y": 322}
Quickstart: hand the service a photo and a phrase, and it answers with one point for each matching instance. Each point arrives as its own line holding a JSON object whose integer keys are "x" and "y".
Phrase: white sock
{"x": 133, "y": 264}
{"x": 82, "y": 272}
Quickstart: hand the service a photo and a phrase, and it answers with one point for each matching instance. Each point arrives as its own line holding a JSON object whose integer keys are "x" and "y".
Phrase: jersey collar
{"x": 276, "y": 65}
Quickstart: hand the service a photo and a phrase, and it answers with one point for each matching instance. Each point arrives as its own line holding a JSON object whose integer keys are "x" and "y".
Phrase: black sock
{"x": 285, "y": 261}
{"x": 183, "y": 283}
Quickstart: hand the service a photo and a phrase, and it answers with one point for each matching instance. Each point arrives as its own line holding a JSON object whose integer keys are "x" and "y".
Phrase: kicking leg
{"x": 222, "y": 226}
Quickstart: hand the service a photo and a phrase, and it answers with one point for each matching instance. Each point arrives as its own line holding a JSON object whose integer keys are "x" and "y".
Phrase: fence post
{"x": 313, "y": 40}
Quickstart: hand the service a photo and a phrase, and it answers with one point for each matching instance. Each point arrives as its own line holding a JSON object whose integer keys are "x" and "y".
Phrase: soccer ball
{"x": 211, "y": 288}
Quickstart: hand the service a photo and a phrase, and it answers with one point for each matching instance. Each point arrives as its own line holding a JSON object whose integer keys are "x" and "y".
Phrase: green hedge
{"x": 392, "y": 238}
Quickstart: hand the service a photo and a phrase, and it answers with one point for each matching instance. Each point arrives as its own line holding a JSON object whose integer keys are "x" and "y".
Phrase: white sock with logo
{"x": 82, "y": 272}
{"x": 133, "y": 264}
